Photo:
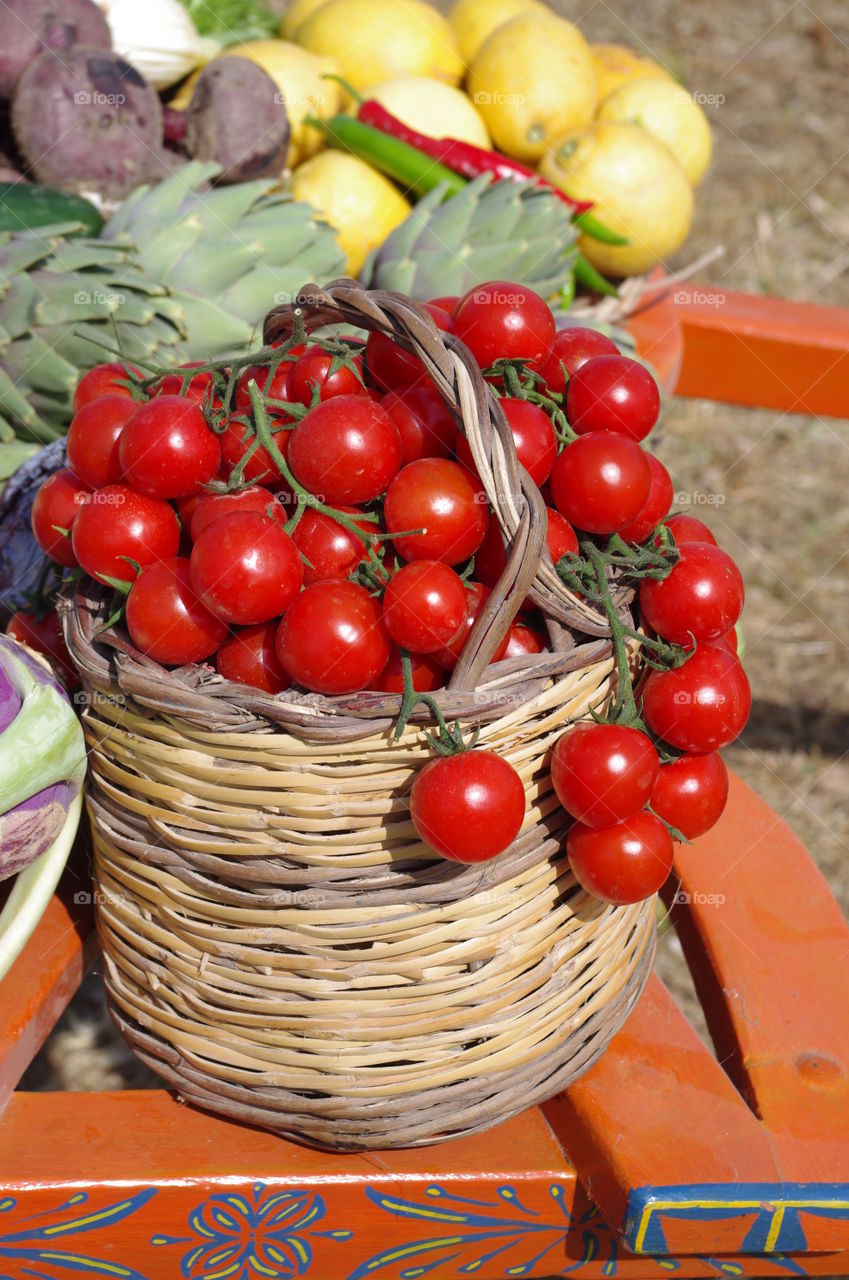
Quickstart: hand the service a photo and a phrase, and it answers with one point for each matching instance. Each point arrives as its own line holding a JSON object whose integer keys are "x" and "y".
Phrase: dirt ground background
{"x": 777, "y": 197}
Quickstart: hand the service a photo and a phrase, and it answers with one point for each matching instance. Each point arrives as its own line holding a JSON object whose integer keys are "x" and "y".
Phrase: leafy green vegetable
{"x": 232, "y": 21}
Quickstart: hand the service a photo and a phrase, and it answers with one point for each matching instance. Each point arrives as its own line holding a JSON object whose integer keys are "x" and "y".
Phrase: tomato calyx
{"x": 448, "y": 741}
{"x": 520, "y": 382}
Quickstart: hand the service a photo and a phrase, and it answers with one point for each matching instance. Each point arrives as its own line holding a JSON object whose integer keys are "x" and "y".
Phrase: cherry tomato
{"x": 533, "y": 436}
{"x": 199, "y": 388}
{"x": 426, "y": 425}
{"x": 166, "y": 620}
{"x": 104, "y": 380}
{"x": 166, "y": 448}
{"x": 246, "y": 568}
{"x": 730, "y": 641}
{"x": 613, "y": 393}
{"x": 328, "y": 548}
{"x": 444, "y": 319}
{"x": 239, "y": 439}
{"x": 249, "y": 657}
{"x": 700, "y": 706}
{"x": 313, "y": 370}
{"x": 476, "y": 597}
{"x": 468, "y": 807}
{"x": 44, "y": 634}
{"x": 57, "y": 505}
{"x": 572, "y": 348}
{"x": 522, "y": 640}
{"x": 92, "y": 444}
{"x": 601, "y": 482}
{"x": 427, "y": 673}
{"x": 424, "y": 606}
{"x": 501, "y": 320}
{"x": 560, "y": 536}
{"x": 603, "y": 773}
{"x": 447, "y": 302}
{"x": 622, "y": 863}
{"x": 272, "y": 387}
{"x": 345, "y": 450}
{"x": 657, "y": 504}
{"x": 212, "y": 506}
{"x": 390, "y": 366}
{"x": 689, "y": 529}
{"x": 702, "y": 597}
{"x": 690, "y": 793}
{"x": 117, "y": 525}
{"x": 440, "y": 498}
{"x": 332, "y": 638}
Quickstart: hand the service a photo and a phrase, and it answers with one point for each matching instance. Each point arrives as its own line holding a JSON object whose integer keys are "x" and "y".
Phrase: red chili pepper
{"x": 463, "y": 157}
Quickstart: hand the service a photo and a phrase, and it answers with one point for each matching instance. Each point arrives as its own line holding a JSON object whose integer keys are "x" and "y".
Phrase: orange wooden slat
{"x": 769, "y": 949}
{"x": 37, "y": 988}
{"x": 746, "y": 349}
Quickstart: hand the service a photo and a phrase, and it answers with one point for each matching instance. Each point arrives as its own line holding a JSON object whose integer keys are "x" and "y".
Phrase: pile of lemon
{"x": 599, "y": 121}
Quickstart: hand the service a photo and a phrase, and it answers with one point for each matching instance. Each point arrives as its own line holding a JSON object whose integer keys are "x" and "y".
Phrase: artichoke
{"x": 489, "y": 231}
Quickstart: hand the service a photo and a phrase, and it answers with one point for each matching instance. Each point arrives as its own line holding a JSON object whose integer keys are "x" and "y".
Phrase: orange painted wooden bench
{"x": 663, "y": 1159}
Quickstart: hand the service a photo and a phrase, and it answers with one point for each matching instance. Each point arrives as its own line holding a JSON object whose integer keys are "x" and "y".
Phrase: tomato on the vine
{"x": 249, "y": 657}
{"x": 44, "y": 634}
{"x": 700, "y": 599}
{"x": 117, "y": 526}
{"x": 523, "y": 640}
{"x": 702, "y": 705}
{"x": 503, "y": 320}
{"x": 468, "y": 807}
{"x": 603, "y": 773}
{"x": 476, "y": 597}
{"x": 110, "y": 379}
{"x": 57, "y": 505}
{"x": 273, "y": 386}
{"x": 346, "y": 449}
{"x": 560, "y": 537}
{"x": 533, "y": 436}
{"x": 440, "y": 498}
{"x": 601, "y": 481}
{"x": 424, "y": 606}
{"x": 238, "y": 441}
{"x": 625, "y": 862}
{"x": 328, "y": 548}
{"x": 313, "y": 370}
{"x": 212, "y": 506}
{"x": 425, "y": 424}
{"x": 246, "y": 568}
{"x": 613, "y": 393}
{"x": 92, "y": 443}
{"x": 165, "y": 618}
{"x": 200, "y": 387}
{"x": 690, "y": 793}
{"x": 688, "y": 529}
{"x": 656, "y": 506}
{"x": 166, "y": 449}
{"x": 390, "y": 366}
{"x": 572, "y": 348}
{"x": 332, "y": 638}
{"x": 426, "y": 672}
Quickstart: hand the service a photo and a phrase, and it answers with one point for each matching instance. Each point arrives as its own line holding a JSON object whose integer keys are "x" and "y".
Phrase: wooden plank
{"x": 136, "y": 1186}
{"x": 769, "y": 950}
{"x": 40, "y": 983}
{"x": 745, "y": 349}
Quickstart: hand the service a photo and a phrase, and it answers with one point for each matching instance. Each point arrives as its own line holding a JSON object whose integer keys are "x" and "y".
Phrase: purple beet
{"x": 29, "y": 26}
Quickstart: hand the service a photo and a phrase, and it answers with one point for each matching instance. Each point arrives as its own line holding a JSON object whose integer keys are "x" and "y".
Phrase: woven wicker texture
{"x": 278, "y": 943}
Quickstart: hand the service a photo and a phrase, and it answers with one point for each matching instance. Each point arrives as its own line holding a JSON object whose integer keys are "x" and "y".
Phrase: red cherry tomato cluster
{"x": 319, "y": 521}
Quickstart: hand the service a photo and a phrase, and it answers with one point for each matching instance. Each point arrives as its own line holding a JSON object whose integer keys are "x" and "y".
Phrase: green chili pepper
{"x": 411, "y": 168}
{"x": 591, "y": 226}
{"x": 586, "y": 274}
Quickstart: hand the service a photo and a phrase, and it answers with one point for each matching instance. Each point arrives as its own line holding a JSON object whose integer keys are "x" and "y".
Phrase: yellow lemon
{"x": 670, "y": 114}
{"x": 616, "y": 63}
{"x": 296, "y": 15}
{"x": 533, "y": 80}
{"x": 376, "y": 40}
{"x": 474, "y": 20}
{"x": 638, "y": 187}
{"x": 359, "y": 202}
{"x": 432, "y": 107}
{"x": 298, "y": 75}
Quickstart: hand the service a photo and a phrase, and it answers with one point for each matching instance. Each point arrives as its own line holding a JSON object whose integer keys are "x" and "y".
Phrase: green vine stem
{"x": 449, "y": 740}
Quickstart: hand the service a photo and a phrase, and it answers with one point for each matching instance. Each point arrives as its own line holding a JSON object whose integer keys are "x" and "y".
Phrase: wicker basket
{"x": 278, "y": 944}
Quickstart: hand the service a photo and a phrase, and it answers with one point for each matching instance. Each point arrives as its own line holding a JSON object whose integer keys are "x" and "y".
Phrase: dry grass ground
{"x": 778, "y": 199}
